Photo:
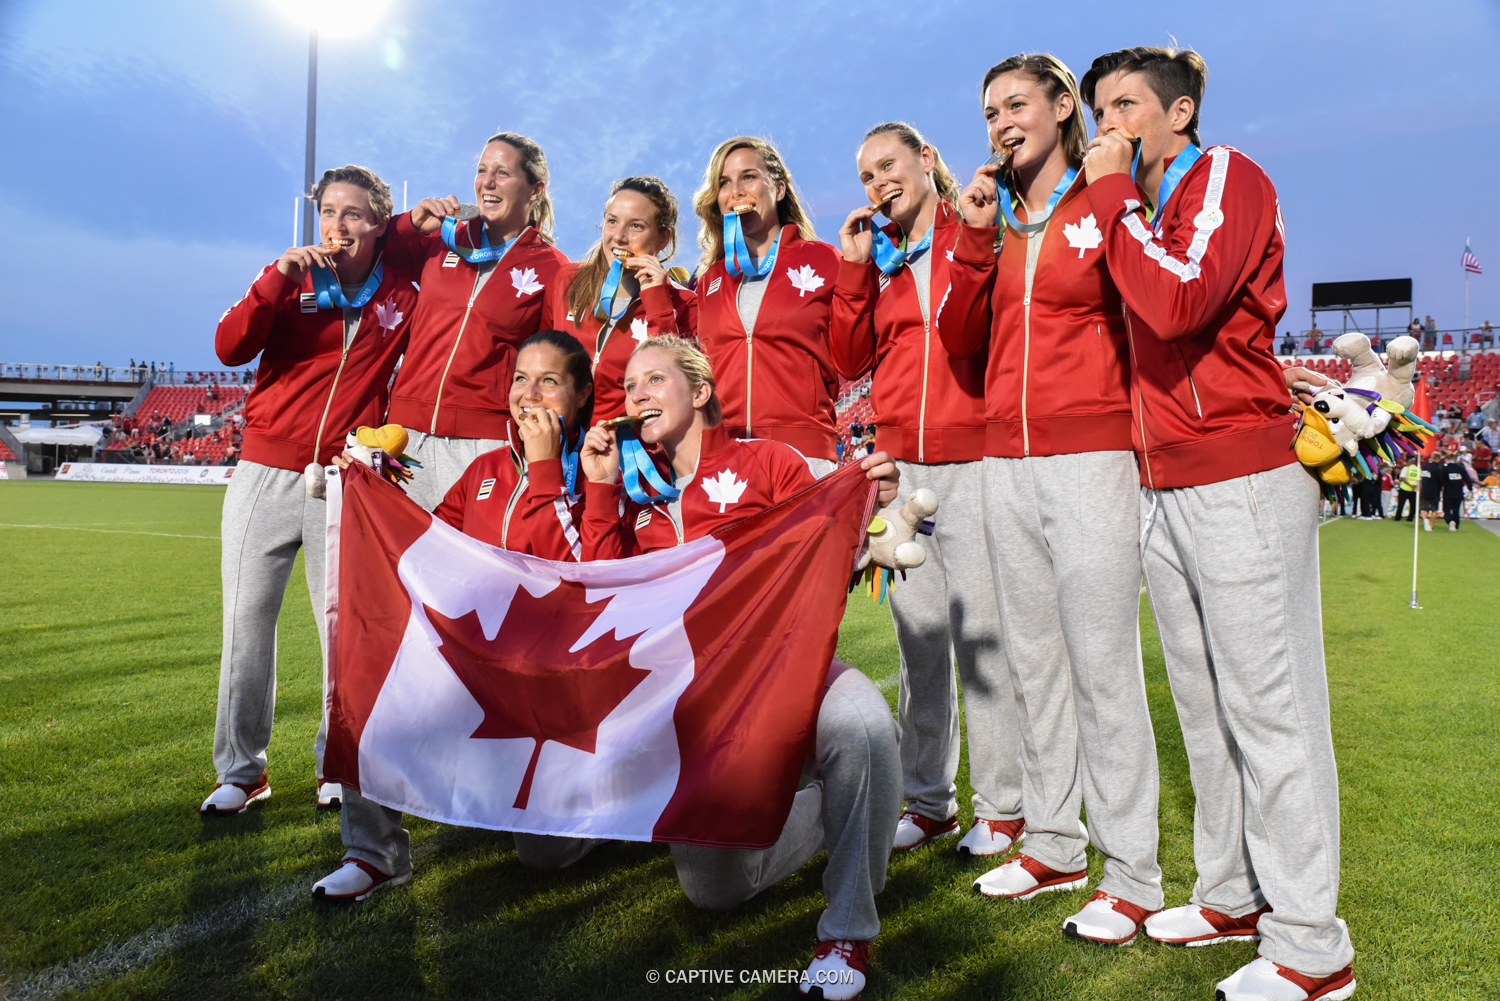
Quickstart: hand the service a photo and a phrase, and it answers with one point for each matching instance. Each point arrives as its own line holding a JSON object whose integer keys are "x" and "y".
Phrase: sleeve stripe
{"x": 1187, "y": 270}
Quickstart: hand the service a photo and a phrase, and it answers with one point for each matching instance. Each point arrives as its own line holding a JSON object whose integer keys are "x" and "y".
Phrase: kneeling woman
{"x": 851, "y": 806}
{"x": 524, "y": 497}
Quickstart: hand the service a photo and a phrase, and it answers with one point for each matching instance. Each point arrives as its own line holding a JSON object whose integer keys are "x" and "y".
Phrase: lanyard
{"x": 570, "y": 460}
{"x": 888, "y": 257}
{"x": 607, "y": 293}
{"x": 483, "y": 253}
{"x": 635, "y": 463}
{"x": 1031, "y": 227}
{"x": 1169, "y": 180}
{"x": 734, "y": 249}
{"x": 331, "y": 296}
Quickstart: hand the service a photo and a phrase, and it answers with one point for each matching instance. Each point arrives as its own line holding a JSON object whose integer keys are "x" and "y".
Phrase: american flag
{"x": 1470, "y": 262}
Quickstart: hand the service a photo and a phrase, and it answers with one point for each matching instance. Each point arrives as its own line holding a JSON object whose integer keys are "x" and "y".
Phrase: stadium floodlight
{"x": 331, "y": 17}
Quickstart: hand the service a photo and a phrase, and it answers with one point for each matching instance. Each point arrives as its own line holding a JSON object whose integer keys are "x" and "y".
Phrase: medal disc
{"x": 467, "y": 212}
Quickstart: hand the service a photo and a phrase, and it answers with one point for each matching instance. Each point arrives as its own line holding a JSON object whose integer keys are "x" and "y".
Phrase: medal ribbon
{"x": 474, "y": 255}
{"x": 331, "y": 296}
{"x": 888, "y": 257}
{"x": 1169, "y": 180}
{"x": 1009, "y": 213}
{"x": 735, "y": 249}
{"x": 570, "y": 460}
{"x": 635, "y": 462}
{"x": 607, "y": 293}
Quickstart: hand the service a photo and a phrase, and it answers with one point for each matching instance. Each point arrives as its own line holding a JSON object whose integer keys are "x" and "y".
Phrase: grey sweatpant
{"x": 443, "y": 463}
{"x": 850, "y": 808}
{"x": 946, "y": 611}
{"x": 1065, "y": 545}
{"x": 267, "y": 517}
{"x": 1232, "y": 571}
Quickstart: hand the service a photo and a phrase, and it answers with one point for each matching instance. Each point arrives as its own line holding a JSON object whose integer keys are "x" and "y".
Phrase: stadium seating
{"x": 177, "y": 403}
{"x": 6, "y": 455}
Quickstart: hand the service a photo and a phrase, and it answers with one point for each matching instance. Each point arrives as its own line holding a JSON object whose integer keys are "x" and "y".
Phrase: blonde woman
{"x": 764, "y": 288}
{"x": 929, "y": 408}
{"x": 483, "y": 281}
{"x": 621, "y": 294}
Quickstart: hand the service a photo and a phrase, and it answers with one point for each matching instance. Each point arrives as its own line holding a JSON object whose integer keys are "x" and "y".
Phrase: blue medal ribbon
{"x": 331, "y": 295}
{"x": 607, "y": 293}
{"x": 888, "y": 257}
{"x": 635, "y": 462}
{"x": 735, "y": 250}
{"x": 570, "y": 460}
{"x": 1006, "y": 194}
{"x": 1169, "y": 181}
{"x": 474, "y": 255}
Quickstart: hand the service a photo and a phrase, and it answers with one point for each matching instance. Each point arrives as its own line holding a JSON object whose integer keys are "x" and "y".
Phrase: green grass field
{"x": 113, "y": 887}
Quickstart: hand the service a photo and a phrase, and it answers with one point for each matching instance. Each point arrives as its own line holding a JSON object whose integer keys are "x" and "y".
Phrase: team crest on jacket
{"x": 724, "y": 489}
{"x": 486, "y": 487}
{"x": 308, "y": 301}
{"x": 643, "y": 519}
{"x": 451, "y": 261}
{"x": 804, "y": 280}
{"x": 1084, "y": 236}
{"x": 524, "y": 281}
{"x": 639, "y": 330}
{"x": 387, "y": 315}
{"x": 713, "y": 286}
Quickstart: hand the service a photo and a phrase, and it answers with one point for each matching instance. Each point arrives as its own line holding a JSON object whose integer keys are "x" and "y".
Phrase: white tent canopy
{"x": 85, "y": 436}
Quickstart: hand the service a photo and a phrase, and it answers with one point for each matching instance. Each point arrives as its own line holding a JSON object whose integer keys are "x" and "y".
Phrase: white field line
{"x": 112, "y": 531}
{"x": 114, "y": 960}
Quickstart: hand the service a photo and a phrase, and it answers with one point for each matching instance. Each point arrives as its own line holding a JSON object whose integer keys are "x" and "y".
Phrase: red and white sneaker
{"x": 1262, "y": 980}
{"x": 837, "y": 972}
{"x": 1107, "y": 920}
{"x": 354, "y": 879}
{"x": 1193, "y": 925}
{"x": 915, "y": 830}
{"x": 232, "y": 797}
{"x": 330, "y": 795}
{"x": 1023, "y": 877}
{"x": 992, "y": 837}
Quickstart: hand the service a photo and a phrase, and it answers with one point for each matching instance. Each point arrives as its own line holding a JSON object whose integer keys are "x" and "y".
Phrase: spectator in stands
{"x": 1315, "y": 338}
{"x": 1288, "y": 346}
{"x": 231, "y": 455}
{"x": 1429, "y": 327}
{"x": 1487, "y": 334}
{"x": 1476, "y": 422}
{"x": 1490, "y": 435}
{"x": 1414, "y": 328}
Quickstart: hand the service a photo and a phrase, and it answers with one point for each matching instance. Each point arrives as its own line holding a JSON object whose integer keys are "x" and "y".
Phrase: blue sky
{"x": 153, "y": 149}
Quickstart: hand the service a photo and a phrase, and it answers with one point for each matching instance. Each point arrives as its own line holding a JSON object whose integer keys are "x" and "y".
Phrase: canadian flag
{"x": 669, "y": 697}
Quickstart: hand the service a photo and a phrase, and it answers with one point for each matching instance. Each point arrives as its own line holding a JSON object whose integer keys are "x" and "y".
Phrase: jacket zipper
{"x": 1033, "y": 252}
{"x": 926, "y": 355}
{"x": 438, "y": 401}
{"x": 749, "y": 372}
{"x": 1191, "y": 384}
{"x": 510, "y": 507}
{"x": 1140, "y": 399}
{"x": 328, "y": 404}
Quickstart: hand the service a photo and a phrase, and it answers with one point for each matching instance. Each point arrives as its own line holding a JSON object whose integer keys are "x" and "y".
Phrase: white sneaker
{"x": 993, "y": 837}
{"x": 354, "y": 879}
{"x": 1262, "y": 980}
{"x": 1426, "y": 526}
{"x": 1192, "y": 925}
{"x": 1107, "y": 920}
{"x": 837, "y": 972}
{"x": 232, "y": 797}
{"x": 330, "y": 795}
{"x": 914, "y": 830}
{"x": 1023, "y": 877}
{"x": 1452, "y": 527}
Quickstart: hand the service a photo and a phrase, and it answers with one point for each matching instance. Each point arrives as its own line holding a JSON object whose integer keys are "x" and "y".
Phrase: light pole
{"x": 310, "y": 211}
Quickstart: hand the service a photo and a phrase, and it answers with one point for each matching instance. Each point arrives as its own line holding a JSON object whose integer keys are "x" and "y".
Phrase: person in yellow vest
{"x": 1407, "y": 482}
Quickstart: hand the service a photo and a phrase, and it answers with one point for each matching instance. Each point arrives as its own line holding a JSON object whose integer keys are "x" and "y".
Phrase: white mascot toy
{"x": 891, "y": 544}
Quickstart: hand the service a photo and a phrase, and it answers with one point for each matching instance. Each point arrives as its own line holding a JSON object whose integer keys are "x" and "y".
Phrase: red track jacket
{"x": 778, "y": 383}
{"x": 506, "y": 502}
{"x": 929, "y": 405}
{"x": 307, "y": 380}
{"x": 1203, "y": 300}
{"x": 455, "y": 381}
{"x": 1058, "y": 379}
{"x": 736, "y": 478}
{"x": 662, "y": 309}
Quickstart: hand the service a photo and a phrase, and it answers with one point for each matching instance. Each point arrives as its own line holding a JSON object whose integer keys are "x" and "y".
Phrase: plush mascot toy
{"x": 1350, "y": 430}
{"x": 363, "y": 445}
{"x": 891, "y": 542}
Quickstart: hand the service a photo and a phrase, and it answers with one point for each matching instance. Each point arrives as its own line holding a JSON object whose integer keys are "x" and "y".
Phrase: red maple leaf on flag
{"x": 527, "y": 680}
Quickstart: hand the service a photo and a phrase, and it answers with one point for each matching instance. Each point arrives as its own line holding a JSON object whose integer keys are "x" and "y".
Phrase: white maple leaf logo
{"x": 639, "y": 330}
{"x": 724, "y": 489}
{"x": 804, "y": 279}
{"x": 524, "y": 281}
{"x": 1084, "y": 236}
{"x": 387, "y": 315}
{"x": 950, "y": 253}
